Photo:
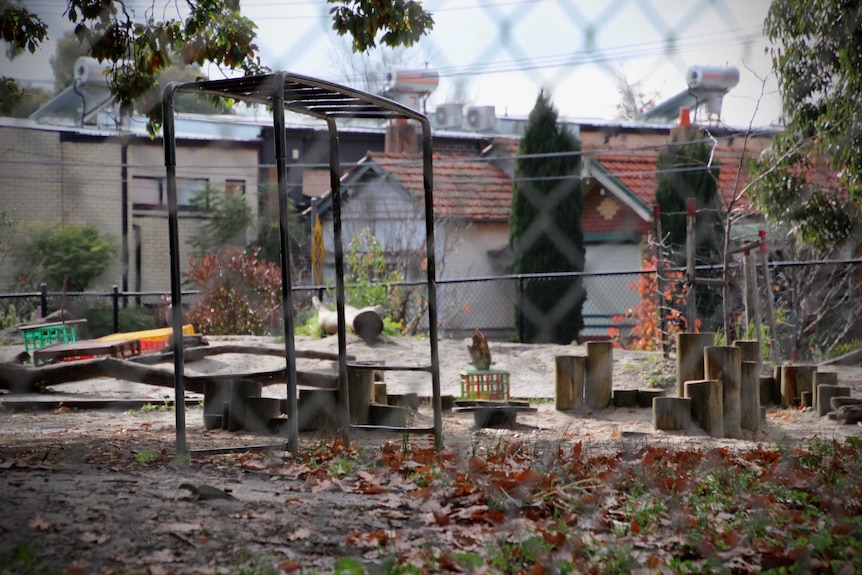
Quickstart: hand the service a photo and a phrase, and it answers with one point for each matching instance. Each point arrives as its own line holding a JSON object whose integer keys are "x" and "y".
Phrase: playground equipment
{"x": 329, "y": 102}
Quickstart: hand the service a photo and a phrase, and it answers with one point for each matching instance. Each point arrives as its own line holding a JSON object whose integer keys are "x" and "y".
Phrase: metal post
{"x": 428, "y": 175}
{"x": 43, "y": 296}
{"x": 169, "y": 137}
{"x": 286, "y": 287}
{"x": 521, "y": 299}
{"x": 338, "y": 254}
{"x": 115, "y": 302}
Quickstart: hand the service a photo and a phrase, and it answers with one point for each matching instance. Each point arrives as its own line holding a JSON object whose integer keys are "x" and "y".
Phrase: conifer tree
{"x": 545, "y": 228}
{"x": 683, "y": 171}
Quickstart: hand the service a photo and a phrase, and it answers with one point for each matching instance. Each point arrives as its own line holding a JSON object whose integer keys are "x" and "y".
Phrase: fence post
{"x": 691, "y": 303}
{"x": 43, "y": 288}
{"x": 521, "y": 299}
{"x": 115, "y": 300}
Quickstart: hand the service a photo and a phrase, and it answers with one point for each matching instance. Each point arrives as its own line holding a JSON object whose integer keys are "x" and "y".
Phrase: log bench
{"x": 85, "y": 349}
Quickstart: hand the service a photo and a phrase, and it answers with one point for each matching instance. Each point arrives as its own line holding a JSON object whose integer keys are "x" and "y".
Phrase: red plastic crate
{"x": 485, "y": 384}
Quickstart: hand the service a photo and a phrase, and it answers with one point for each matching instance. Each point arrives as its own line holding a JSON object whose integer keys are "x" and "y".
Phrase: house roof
{"x": 465, "y": 188}
{"x": 636, "y": 171}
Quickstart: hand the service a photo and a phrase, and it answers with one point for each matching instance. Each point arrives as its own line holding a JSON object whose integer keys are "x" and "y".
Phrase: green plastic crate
{"x": 39, "y": 337}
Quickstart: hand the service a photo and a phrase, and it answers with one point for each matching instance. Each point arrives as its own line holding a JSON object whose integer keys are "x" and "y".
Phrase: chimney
{"x": 401, "y": 138}
{"x": 684, "y": 131}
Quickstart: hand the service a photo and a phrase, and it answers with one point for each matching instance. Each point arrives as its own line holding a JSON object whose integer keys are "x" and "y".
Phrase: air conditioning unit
{"x": 448, "y": 116}
{"x": 481, "y": 119}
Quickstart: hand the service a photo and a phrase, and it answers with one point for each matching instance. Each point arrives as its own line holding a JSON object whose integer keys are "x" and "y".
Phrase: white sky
{"x": 504, "y": 50}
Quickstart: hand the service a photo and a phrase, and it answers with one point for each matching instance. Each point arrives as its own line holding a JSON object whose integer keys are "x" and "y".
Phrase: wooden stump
{"x": 706, "y": 405}
{"x": 599, "y": 374}
{"x": 625, "y": 398}
{"x": 225, "y": 399}
{"x": 823, "y": 378}
{"x": 671, "y": 413}
{"x": 408, "y": 400}
{"x": 767, "y": 389}
{"x": 689, "y": 358}
{"x": 749, "y": 395}
{"x": 569, "y": 381}
{"x": 360, "y": 384}
{"x": 805, "y": 378}
{"x": 805, "y": 399}
{"x": 647, "y": 396}
{"x": 317, "y": 409}
{"x": 825, "y": 393}
{"x": 388, "y": 415}
{"x": 722, "y": 363}
{"x": 749, "y": 350}
{"x": 259, "y": 412}
{"x": 789, "y": 388}
{"x": 380, "y": 392}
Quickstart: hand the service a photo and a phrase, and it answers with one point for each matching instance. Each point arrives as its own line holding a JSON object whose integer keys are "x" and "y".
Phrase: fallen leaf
{"x": 301, "y": 533}
{"x": 163, "y": 556}
{"x": 39, "y": 523}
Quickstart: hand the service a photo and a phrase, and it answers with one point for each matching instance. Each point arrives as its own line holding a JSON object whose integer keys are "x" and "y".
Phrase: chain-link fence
{"x": 817, "y": 306}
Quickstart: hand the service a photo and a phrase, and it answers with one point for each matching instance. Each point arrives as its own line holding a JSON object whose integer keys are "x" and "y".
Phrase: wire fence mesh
{"x": 817, "y": 305}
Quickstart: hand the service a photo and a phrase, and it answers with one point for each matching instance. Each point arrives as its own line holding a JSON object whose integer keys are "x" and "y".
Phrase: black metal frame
{"x": 328, "y": 102}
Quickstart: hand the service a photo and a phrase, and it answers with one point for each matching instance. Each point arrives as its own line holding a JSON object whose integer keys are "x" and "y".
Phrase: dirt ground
{"x": 99, "y": 491}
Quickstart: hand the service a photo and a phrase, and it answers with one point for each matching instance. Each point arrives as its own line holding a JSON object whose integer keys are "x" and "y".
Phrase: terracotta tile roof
{"x": 464, "y": 188}
{"x": 636, "y": 170}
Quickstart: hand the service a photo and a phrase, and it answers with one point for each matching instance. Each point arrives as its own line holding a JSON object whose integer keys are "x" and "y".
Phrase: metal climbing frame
{"x": 328, "y": 102}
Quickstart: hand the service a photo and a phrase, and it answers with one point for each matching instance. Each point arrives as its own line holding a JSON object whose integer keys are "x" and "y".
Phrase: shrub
{"x": 73, "y": 256}
{"x": 100, "y": 320}
{"x": 646, "y": 331}
{"x": 239, "y": 293}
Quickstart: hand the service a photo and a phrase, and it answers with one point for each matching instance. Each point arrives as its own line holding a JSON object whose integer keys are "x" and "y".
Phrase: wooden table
{"x": 86, "y": 348}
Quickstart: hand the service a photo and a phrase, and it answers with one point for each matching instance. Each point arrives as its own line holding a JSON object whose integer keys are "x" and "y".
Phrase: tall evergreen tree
{"x": 683, "y": 171}
{"x": 545, "y": 227}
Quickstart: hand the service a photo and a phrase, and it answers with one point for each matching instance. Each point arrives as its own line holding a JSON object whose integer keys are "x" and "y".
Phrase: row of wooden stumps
{"x": 234, "y": 403}
{"x": 722, "y": 390}
{"x": 585, "y": 380}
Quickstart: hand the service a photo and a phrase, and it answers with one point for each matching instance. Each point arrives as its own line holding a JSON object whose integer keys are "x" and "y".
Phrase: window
{"x": 237, "y": 186}
{"x": 151, "y": 193}
{"x": 187, "y": 189}
{"x": 147, "y": 193}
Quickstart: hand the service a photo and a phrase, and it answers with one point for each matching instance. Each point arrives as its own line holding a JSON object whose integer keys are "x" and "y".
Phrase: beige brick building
{"x": 114, "y": 180}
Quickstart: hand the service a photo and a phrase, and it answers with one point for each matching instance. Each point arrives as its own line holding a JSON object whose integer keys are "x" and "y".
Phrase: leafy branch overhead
{"x": 211, "y": 32}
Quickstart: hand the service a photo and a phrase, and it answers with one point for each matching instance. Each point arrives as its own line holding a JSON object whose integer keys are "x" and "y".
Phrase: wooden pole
{"x": 774, "y": 352}
{"x": 671, "y": 413}
{"x": 722, "y": 363}
{"x": 569, "y": 378}
{"x": 659, "y": 266}
{"x": 598, "y": 383}
{"x": 749, "y": 395}
{"x": 706, "y": 405}
{"x": 689, "y": 357}
{"x": 690, "y": 239}
{"x": 749, "y": 350}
